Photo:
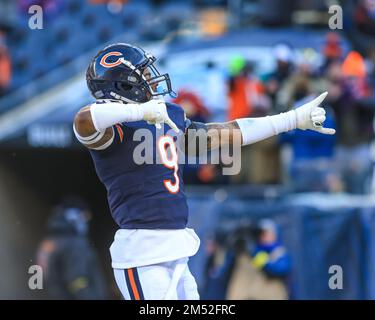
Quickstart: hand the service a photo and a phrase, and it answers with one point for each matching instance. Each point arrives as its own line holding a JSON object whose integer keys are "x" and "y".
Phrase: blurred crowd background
{"x": 302, "y": 201}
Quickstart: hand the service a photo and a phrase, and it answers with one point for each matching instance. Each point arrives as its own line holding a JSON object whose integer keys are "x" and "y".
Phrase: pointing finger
{"x": 317, "y": 101}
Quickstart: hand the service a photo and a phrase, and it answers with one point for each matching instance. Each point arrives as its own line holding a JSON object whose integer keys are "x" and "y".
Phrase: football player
{"x": 151, "y": 249}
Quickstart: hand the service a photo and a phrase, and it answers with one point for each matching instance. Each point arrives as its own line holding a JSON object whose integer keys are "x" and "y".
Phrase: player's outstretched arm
{"x": 212, "y": 136}
{"x": 93, "y": 124}
{"x": 251, "y": 130}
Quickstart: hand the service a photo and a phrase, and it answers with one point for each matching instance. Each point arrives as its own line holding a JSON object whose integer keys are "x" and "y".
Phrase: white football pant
{"x": 164, "y": 281}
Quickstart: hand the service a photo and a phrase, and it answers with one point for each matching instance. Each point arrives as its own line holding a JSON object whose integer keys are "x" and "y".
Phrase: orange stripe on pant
{"x": 133, "y": 285}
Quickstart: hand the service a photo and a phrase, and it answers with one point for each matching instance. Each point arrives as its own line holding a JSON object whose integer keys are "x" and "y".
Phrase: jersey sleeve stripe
{"x": 88, "y": 138}
{"x": 107, "y": 144}
{"x": 120, "y": 132}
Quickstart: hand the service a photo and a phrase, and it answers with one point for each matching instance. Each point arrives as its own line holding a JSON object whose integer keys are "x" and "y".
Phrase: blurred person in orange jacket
{"x": 245, "y": 91}
{"x": 5, "y": 67}
{"x": 247, "y": 98}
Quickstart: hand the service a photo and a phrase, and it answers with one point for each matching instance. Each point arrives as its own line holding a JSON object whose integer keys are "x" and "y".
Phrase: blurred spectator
{"x": 70, "y": 265}
{"x": 364, "y": 16}
{"x": 303, "y": 81}
{"x": 348, "y": 90}
{"x": 245, "y": 92}
{"x": 262, "y": 274}
{"x": 218, "y": 269}
{"x": 239, "y": 106}
{"x": 5, "y": 67}
{"x": 247, "y": 98}
{"x": 192, "y": 105}
{"x": 284, "y": 57}
{"x": 313, "y": 166}
{"x": 332, "y": 50}
{"x": 269, "y": 254}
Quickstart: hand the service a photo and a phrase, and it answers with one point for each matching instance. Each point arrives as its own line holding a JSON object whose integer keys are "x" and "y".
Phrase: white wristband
{"x": 105, "y": 115}
{"x": 257, "y": 129}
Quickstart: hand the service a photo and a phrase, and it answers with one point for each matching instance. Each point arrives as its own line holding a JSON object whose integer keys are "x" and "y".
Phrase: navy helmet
{"x": 117, "y": 72}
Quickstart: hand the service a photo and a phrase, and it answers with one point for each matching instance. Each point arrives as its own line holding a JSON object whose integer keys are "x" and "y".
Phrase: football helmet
{"x": 117, "y": 72}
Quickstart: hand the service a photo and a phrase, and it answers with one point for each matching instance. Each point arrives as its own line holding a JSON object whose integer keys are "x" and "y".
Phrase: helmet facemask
{"x": 156, "y": 79}
{"x": 141, "y": 86}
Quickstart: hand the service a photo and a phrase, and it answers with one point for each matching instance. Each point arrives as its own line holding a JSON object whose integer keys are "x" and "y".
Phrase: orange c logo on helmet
{"x": 104, "y": 63}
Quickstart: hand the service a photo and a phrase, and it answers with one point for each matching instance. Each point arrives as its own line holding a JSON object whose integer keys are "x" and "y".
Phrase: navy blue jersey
{"x": 149, "y": 195}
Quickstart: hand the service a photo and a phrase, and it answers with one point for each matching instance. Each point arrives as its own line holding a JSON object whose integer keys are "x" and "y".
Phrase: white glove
{"x": 311, "y": 116}
{"x": 155, "y": 112}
